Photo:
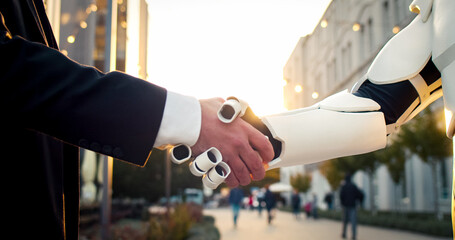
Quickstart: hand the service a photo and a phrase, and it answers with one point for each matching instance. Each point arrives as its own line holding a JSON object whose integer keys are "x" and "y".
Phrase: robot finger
{"x": 231, "y": 109}
{"x": 180, "y": 153}
{"x": 215, "y": 176}
{"x": 205, "y": 161}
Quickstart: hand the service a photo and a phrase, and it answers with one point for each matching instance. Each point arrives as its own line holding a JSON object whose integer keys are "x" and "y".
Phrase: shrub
{"x": 415, "y": 222}
{"x": 204, "y": 230}
{"x": 176, "y": 224}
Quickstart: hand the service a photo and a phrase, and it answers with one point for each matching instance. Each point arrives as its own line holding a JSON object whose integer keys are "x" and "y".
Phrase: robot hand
{"x": 403, "y": 79}
{"x": 341, "y": 125}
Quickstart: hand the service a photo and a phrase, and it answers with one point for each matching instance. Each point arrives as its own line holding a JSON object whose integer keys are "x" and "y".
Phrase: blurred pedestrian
{"x": 260, "y": 198}
{"x": 328, "y": 199}
{"x": 235, "y": 199}
{"x": 308, "y": 208}
{"x": 250, "y": 202}
{"x": 295, "y": 200}
{"x": 350, "y": 195}
{"x": 314, "y": 206}
{"x": 270, "y": 203}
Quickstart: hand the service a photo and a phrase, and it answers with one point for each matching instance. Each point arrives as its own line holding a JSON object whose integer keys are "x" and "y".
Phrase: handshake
{"x": 230, "y": 138}
{"x": 236, "y": 146}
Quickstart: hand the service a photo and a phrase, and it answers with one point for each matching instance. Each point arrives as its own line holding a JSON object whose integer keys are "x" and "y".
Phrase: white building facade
{"x": 331, "y": 59}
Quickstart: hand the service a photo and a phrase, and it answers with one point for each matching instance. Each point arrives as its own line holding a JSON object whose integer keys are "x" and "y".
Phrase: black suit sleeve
{"x": 41, "y": 89}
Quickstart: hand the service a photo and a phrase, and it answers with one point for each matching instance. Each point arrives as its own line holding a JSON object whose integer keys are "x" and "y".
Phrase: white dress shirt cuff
{"x": 181, "y": 123}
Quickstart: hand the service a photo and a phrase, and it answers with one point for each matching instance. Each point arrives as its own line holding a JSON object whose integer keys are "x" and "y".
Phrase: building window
{"x": 445, "y": 188}
{"x": 346, "y": 54}
{"x": 397, "y": 11}
{"x": 370, "y": 35}
{"x": 361, "y": 44}
{"x": 331, "y": 74}
{"x": 386, "y": 20}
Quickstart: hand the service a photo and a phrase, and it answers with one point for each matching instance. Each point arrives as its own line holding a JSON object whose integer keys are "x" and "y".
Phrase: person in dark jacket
{"x": 328, "y": 199}
{"x": 270, "y": 203}
{"x": 52, "y": 106}
{"x": 350, "y": 196}
{"x": 236, "y": 200}
{"x": 296, "y": 202}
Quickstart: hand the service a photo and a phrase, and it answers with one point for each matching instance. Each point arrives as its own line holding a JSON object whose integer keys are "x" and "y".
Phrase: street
{"x": 285, "y": 226}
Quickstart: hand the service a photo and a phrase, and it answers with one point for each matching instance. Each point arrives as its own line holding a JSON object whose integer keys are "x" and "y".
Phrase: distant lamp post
{"x": 315, "y": 95}
{"x": 298, "y": 88}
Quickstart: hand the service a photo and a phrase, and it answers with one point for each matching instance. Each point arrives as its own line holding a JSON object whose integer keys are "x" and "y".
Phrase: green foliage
{"x": 130, "y": 230}
{"x": 367, "y": 162}
{"x": 333, "y": 175}
{"x": 130, "y": 181}
{"x": 204, "y": 230}
{"x": 425, "y": 137}
{"x": 394, "y": 158}
{"x": 301, "y": 182}
{"x": 176, "y": 225}
{"x": 417, "y": 222}
{"x": 271, "y": 176}
{"x": 347, "y": 165}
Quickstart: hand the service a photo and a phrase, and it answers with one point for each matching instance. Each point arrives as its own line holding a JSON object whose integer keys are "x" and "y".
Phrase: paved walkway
{"x": 286, "y": 227}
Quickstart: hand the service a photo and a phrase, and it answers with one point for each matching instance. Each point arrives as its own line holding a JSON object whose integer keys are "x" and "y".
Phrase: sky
{"x": 222, "y": 48}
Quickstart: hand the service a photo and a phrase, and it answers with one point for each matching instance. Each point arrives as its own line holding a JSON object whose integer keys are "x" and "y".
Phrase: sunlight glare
{"x": 206, "y": 48}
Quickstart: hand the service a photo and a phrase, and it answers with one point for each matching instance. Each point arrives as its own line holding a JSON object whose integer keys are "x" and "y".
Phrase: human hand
{"x": 243, "y": 148}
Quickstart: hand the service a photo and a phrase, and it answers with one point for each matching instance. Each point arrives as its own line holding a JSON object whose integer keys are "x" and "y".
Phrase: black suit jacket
{"x": 52, "y": 105}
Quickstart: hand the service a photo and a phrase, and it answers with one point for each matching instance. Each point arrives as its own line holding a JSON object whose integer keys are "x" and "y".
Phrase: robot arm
{"x": 341, "y": 125}
{"x": 350, "y": 123}
{"x": 404, "y": 78}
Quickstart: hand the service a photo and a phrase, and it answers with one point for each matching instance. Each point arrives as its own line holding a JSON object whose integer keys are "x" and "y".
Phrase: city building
{"x": 331, "y": 59}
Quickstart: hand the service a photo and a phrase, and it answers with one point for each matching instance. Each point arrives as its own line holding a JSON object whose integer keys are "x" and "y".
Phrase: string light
{"x": 83, "y": 24}
{"x": 356, "y": 27}
{"x": 71, "y": 39}
{"x": 324, "y": 23}
{"x": 123, "y": 24}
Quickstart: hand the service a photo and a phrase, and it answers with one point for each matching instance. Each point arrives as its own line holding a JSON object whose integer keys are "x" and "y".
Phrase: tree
{"x": 333, "y": 174}
{"x": 425, "y": 137}
{"x": 347, "y": 165}
{"x": 301, "y": 182}
{"x": 149, "y": 181}
{"x": 368, "y": 163}
{"x": 394, "y": 158}
{"x": 271, "y": 176}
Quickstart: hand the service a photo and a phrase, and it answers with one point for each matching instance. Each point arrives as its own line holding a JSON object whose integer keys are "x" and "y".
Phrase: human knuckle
{"x": 237, "y": 142}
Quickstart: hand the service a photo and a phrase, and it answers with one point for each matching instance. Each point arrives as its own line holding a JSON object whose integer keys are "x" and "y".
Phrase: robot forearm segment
{"x": 341, "y": 125}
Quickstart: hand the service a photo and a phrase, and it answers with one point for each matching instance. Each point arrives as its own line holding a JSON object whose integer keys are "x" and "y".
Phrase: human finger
{"x": 231, "y": 181}
{"x": 261, "y": 144}
{"x": 253, "y": 161}
{"x": 240, "y": 171}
